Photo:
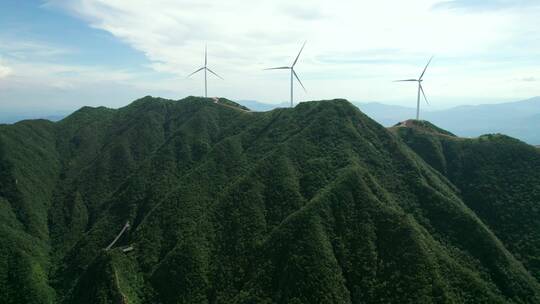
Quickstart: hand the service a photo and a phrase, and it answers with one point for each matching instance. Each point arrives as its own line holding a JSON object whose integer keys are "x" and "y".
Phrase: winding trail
{"x": 123, "y": 300}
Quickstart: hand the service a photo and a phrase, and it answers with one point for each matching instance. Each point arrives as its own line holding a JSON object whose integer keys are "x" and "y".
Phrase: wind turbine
{"x": 293, "y": 73}
{"x": 205, "y": 68}
{"x": 420, "y": 88}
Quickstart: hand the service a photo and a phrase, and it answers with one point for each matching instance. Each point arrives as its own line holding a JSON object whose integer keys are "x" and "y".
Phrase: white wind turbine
{"x": 420, "y": 89}
{"x": 205, "y": 68}
{"x": 293, "y": 73}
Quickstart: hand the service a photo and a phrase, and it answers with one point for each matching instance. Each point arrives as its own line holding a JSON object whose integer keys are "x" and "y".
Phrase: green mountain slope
{"x": 498, "y": 178}
{"x": 316, "y": 204}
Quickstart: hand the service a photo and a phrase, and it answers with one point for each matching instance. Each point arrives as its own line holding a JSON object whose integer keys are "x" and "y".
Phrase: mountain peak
{"x": 423, "y": 126}
{"x": 204, "y": 100}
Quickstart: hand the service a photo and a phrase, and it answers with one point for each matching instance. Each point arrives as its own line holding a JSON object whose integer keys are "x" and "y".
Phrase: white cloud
{"x": 34, "y": 86}
{"x": 35, "y": 75}
{"x": 4, "y": 70}
{"x": 487, "y": 5}
{"x": 343, "y": 40}
{"x": 247, "y": 32}
{"x": 26, "y": 49}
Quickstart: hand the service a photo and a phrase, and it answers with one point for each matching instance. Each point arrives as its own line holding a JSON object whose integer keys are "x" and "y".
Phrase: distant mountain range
{"x": 517, "y": 119}
{"x": 9, "y": 118}
{"x": 261, "y": 106}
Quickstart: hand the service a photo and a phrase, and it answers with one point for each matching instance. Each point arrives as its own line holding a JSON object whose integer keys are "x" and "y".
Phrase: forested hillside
{"x": 498, "y": 178}
{"x": 315, "y": 204}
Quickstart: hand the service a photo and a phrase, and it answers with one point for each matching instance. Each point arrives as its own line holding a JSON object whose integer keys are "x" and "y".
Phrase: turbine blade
{"x": 205, "y": 55}
{"x": 425, "y": 68}
{"x": 214, "y": 73}
{"x": 280, "y": 68}
{"x": 423, "y": 93}
{"x": 297, "y": 78}
{"x": 406, "y": 80}
{"x": 195, "y": 72}
{"x": 294, "y": 63}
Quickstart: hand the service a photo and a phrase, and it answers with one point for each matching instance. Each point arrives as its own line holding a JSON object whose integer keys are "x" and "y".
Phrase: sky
{"x": 59, "y": 55}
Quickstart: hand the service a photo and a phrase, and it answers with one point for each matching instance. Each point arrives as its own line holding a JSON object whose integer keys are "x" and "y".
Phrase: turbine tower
{"x": 205, "y": 68}
{"x": 420, "y": 88}
{"x": 293, "y": 73}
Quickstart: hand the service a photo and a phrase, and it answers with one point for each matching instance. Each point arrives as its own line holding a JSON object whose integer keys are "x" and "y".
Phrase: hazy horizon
{"x": 48, "y": 111}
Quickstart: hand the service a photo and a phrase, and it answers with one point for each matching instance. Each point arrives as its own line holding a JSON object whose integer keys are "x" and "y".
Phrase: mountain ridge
{"x": 516, "y": 164}
{"x": 519, "y": 119}
{"x": 314, "y": 204}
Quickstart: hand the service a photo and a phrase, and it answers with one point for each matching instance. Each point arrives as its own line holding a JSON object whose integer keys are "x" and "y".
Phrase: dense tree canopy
{"x": 316, "y": 204}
